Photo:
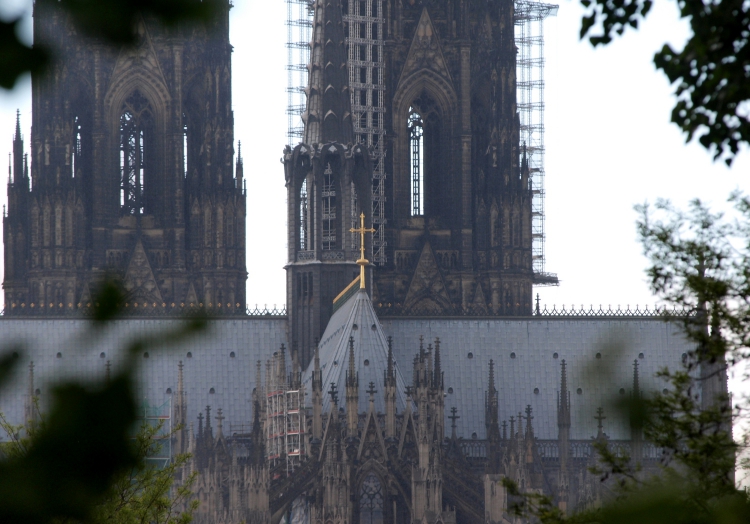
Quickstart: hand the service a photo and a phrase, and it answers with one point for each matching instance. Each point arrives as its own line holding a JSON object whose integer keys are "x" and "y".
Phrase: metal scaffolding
{"x": 364, "y": 29}
{"x": 529, "y": 33}
{"x": 285, "y": 427}
{"x": 160, "y": 453}
{"x": 298, "y": 33}
{"x": 364, "y": 22}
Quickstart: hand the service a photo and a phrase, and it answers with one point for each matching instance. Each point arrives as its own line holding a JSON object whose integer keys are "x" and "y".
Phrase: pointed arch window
{"x": 304, "y": 213}
{"x": 416, "y": 147}
{"x": 329, "y": 209}
{"x": 76, "y": 157}
{"x": 136, "y": 126}
{"x": 371, "y": 502}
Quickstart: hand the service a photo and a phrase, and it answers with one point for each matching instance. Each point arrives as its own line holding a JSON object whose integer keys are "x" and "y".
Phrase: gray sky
{"x": 609, "y": 146}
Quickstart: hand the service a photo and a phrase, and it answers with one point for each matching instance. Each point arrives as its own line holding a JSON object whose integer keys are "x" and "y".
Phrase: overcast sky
{"x": 609, "y": 146}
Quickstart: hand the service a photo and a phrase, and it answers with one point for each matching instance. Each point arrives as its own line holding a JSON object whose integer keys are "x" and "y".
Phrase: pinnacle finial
{"x": 599, "y": 418}
{"x": 362, "y": 262}
{"x": 18, "y": 124}
{"x": 636, "y": 385}
{"x": 334, "y": 393}
{"x": 491, "y": 385}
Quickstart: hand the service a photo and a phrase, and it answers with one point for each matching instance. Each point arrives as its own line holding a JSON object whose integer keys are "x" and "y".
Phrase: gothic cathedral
{"x": 440, "y": 103}
{"x": 132, "y": 174}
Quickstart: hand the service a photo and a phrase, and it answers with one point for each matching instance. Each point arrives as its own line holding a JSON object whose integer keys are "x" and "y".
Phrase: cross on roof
{"x": 219, "y": 416}
{"x": 453, "y": 417}
{"x": 333, "y": 393}
{"x": 599, "y": 417}
{"x": 372, "y": 390}
{"x": 362, "y": 262}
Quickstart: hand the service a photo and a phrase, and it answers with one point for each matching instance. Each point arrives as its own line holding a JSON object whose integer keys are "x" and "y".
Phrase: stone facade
{"x": 132, "y": 173}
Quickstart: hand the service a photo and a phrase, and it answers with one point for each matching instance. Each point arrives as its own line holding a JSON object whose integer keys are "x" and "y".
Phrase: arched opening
{"x": 329, "y": 209}
{"x": 416, "y": 148}
{"x": 184, "y": 145}
{"x": 76, "y": 156}
{"x": 430, "y": 187}
{"x": 371, "y": 500}
{"x": 136, "y": 130}
{"x": 304, "y": 218}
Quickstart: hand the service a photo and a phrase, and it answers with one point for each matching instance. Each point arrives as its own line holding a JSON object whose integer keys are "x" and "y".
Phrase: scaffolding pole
{"x": 285, "y": 427}
{"x": 364, "y": 40}
{"x": 298, "y": 34}
{"x": 363, "y": 22}
{"x": 529, "y": 35}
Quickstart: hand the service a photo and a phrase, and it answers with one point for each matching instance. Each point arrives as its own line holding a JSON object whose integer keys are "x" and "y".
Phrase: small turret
{"x": 352, "y": 393}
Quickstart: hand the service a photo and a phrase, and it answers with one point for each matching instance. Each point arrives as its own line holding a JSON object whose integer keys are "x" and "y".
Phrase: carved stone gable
{"x": 425, "y": 51}
{"x": 427, "y": 290}
{"x": 139, "y": 281}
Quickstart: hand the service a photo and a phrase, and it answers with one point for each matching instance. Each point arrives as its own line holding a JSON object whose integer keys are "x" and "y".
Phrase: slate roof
{"x": 209, "y": 366}
{"x": 533, "y": 341}
{"x": 356, "y": 318}
{"x": 527, "y": 355}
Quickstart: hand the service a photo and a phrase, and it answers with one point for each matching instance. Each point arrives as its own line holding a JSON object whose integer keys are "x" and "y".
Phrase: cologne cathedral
{"x": 400, "y": 391}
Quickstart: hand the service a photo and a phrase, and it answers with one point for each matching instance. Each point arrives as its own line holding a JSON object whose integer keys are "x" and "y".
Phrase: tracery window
{"x": 416, "y": 146}
{"x": 136, "y": 125}
{"x": 371, "y": 501}
{"x": 184, "y": 145}
{"x": 329, "y": 209}
{"x": 303, "y": 217}
{"x": 76, "y": 157}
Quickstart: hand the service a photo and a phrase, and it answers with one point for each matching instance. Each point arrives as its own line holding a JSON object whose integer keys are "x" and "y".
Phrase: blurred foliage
{"x": 711, "y": 73}
{"x": 110, "y": 21}
{"x": 81, "y": 463}
{"x": 699, "y": 261}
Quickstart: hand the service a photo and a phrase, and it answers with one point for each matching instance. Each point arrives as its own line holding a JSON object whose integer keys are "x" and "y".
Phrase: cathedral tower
{"x": 328, "y": 182}
{"x": 131, "y": 173}
{"x": 458, "y": 194}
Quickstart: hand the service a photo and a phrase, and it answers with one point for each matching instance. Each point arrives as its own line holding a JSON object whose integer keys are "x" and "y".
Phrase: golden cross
{"x": 362, "y": 262}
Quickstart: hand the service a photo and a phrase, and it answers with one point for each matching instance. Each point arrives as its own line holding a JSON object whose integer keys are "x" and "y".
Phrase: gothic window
{"x": 135, "y": 133}
{"x": 371, "y": 501}
{"x": 184, "y": 145}
{"x": 329, "y": 209}
{"x": 76, "y": 157}
{"x": 416, "y": 147}
{"x": 304, "y": 213}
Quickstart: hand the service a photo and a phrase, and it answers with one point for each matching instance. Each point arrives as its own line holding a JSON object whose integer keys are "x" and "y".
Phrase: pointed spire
{"x": 239, "y": 170}
{"x": 491, "y": 382}
{"x": 180, "y": 382}
{"x": 529, "y": 426}
{"x": 328, "y": 114}
{"x": 208, "y": 430}
{"x": 453, "y": 418}
{"x": 351, "y": 373}
{"x": 438, "y": 380}
{"x": 18, "y": 125}
{"x": 599, "y": 425}
{"x": 563, "y": 399}
{"x": 219, "y": 423}
{"x": 30, "y": 415}
{"x": 390, "y": 377}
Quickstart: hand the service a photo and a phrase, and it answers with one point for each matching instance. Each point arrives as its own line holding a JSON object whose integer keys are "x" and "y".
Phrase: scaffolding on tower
{"x": 160, "y": 416}
{"x": 298, "y": 33}
{"x": 285, "y": 425}
{"x": 363, "y": 22}
{"x": 529, "y": 35}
